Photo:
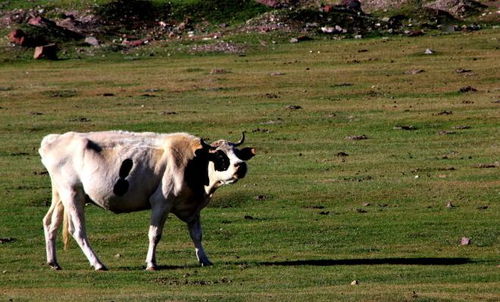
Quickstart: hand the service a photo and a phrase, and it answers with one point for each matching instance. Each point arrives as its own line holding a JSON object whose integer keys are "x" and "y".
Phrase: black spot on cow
{"x": 121, "y": 187}
{"x": 220, "y": 160}
{"x": 126, "y": 167}
{"x": 93, "y": 146}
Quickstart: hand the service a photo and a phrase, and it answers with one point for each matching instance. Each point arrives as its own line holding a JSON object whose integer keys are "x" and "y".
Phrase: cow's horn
{"x": 205, "y": 145}
{"x": 242, "y": 140}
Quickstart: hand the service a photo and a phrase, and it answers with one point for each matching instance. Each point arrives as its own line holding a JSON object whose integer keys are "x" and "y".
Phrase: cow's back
{"x": 117, "y": 170}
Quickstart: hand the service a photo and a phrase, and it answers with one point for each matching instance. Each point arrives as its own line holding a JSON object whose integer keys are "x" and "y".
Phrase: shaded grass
{"x": 308, "y": 238}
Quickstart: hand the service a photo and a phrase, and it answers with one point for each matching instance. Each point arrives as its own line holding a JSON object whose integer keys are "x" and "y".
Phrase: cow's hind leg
{"x": 51, "y": 223}
{"x": 74, "y": 203}
{"x": 195, "y": 232}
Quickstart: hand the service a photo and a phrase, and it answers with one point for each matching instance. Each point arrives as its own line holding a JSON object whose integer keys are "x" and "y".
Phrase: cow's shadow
{"x": 332, "y": 262}
{"x": 370, "y": 261}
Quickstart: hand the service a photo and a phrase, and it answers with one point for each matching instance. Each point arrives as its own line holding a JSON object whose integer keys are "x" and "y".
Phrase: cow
{"x": 125, "y": 172}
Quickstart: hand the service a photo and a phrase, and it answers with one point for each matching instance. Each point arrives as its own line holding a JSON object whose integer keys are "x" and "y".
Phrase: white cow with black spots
{"x": 125, "y": 172}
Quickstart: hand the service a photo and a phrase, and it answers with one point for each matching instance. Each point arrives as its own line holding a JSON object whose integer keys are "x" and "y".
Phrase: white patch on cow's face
{"x": 233, "y": 172}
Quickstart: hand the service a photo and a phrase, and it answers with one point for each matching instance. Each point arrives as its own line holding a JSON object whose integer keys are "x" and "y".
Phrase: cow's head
{"x": 226, "y": 162}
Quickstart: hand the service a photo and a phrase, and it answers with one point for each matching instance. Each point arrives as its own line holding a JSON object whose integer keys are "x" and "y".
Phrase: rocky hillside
{"x": 121, "y": 25}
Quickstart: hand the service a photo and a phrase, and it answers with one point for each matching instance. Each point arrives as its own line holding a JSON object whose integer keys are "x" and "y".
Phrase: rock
{"x": 118, "y": 255}
{"x": 488, "y": 166}
{"x": 278, "y": 3}
{"x": 135, "y": 43}
{"x": 462, "y": 70}
{"x": 46, "y": 52}
{"x": 92, "y": 41}
{"x": 465, "y": 241}
{"x": 7, "y": 240}
{"x": 357, "y": 137}
{"x": 444, "y": 112}
{"x": 328, "y": 29}
{"x": 300, "y": 39}
{"x": 404, "y": 127}
{"x": 18, "y": 37}
{"x": 351, "y": 4}
{"x": 456, "y": 8}
{"x": 414, "y": 33}
{"x": 467, "y": 89}
{"x": 218, "y": 71}
{"x": 327, "y": 8}
{"x": 449, "y": 205}
{"x": 355, "y": 282}
{"x": 429, "y": 51}
{"x": 414, "y": 71}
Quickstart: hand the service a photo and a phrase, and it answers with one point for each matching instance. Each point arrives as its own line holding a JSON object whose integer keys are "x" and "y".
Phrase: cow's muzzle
{"x": 241, "y": 170}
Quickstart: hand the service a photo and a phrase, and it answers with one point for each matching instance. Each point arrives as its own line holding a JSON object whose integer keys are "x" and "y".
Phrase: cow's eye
{"x": 221, "y": 161}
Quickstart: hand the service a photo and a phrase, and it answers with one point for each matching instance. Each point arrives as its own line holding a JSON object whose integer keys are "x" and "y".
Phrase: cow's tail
{"x": 65, "y": 229}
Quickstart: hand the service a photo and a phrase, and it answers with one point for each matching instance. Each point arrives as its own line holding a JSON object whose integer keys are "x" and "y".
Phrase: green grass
{"x": 407, "y": 241}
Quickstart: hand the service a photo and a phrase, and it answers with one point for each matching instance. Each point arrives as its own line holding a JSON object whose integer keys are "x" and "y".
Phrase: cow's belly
{"x": 122, "y": 197}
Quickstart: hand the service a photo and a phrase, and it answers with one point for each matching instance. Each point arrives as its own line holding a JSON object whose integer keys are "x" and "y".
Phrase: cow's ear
{"x": 246, "y": 153}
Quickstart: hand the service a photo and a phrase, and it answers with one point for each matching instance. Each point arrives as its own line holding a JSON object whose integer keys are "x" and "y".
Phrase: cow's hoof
{"x": 206, "y": 263}
{"x": 152, "y": 268}
{"x": 55, "y": 266}
{"x": 101, "y": 268}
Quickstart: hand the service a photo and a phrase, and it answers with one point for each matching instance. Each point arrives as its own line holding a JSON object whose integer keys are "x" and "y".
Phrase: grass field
{"x": 316, "y": 220}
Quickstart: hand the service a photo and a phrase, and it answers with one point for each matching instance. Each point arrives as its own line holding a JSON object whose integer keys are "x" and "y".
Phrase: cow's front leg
{"x": 195, "y": 232}
{"x": 159, "y": 213}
